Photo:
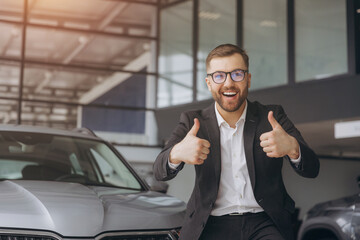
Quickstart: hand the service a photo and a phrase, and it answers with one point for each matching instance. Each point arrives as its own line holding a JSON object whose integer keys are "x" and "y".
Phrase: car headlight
{"x": 176, "y": 233}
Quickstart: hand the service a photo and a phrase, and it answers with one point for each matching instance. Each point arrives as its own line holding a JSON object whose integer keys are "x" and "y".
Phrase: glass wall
{"x": 10, "y": 40}
{"x": 9, "y": 79}
{"x": 79, "y": 55}
{"x": 176, "y": 57}
{"x": 320, "y": 39}
{"x": 8, "y": 111}
{"x": 317, "y": 48}
{"x": 217, "y": 25}
{"x": 265, "y": 40}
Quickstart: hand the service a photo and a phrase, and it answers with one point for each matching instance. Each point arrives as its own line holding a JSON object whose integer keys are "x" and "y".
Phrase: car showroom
{"x": 92, "y": 91}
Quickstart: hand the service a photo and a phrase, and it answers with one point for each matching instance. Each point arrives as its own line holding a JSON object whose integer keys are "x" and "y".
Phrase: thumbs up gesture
{"x": 278, "y": 143}
{"x": 191, "y": 149}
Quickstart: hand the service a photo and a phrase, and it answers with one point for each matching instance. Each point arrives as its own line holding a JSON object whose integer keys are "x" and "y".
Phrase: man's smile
{"x": 229, "y": 94}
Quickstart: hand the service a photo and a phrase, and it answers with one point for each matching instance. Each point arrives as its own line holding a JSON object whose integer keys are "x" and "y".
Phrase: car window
{"x": 35, "y": 156}
{"x": 12, "y": 169}
{"x": 114, "y": 172}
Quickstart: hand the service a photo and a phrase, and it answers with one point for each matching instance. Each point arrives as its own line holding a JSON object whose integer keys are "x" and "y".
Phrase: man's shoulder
{"x": 265, "y": 107}
{"x": 200, "y": 113}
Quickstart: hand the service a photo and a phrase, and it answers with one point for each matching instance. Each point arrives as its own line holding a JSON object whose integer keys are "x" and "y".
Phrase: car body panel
{"x": 72, "y": 209}
{"x": 46, "y": 130}
{"x": 339, "y": 216}
{"x": 82, "y": 210}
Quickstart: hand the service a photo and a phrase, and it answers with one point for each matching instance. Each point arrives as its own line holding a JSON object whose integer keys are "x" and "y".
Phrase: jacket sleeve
{"x": 162, "y": 171}
{"x": 309, "y": 164}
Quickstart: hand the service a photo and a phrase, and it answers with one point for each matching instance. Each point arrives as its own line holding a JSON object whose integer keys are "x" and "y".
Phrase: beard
{"x": 230, "y": 106}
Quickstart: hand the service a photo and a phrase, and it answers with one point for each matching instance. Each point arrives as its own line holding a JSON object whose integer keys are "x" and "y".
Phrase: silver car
{"x": 57, "y": 184}
{"x": 333, "y": 220}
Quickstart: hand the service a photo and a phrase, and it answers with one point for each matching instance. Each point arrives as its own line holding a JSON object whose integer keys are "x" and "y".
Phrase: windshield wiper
{"x": 98, "y": 184}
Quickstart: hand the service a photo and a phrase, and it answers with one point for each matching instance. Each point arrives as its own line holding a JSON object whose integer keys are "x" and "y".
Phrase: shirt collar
{"x": 221, "y": 120}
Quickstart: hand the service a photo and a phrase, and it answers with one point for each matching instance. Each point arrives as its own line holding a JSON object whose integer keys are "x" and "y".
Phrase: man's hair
{"x": 226, "y": 50}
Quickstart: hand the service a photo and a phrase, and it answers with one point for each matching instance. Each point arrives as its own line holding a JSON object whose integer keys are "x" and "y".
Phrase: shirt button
{"x": 240, "y": 196}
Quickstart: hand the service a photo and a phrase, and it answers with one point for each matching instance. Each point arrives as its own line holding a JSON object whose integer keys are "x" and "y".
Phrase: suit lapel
{"x": 249, "y": 135}
{"x": 213, "y": 132}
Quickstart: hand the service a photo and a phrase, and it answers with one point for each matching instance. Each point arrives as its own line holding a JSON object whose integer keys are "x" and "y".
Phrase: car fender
{"x": 324, "y": 223}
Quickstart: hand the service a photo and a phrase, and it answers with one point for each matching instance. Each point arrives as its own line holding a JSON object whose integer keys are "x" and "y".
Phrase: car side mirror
{"x": 156, "y": 186}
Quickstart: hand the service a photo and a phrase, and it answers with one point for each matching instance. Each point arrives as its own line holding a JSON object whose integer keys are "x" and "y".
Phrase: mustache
{"x": 229, "y": 89}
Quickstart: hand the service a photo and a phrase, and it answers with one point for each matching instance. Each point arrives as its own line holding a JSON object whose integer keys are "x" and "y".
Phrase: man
{"x": 237, "y": 148}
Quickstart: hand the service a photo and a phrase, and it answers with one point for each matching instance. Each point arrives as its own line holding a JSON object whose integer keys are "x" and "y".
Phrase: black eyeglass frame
{"x": 211, "y": 74}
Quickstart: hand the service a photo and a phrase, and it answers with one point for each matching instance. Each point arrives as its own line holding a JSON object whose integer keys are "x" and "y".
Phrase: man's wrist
{"x": 294, "y": 155}
{"x": 172, "y": 158}
{"x": 172, "y": 165}
{"x": 171, "y": 162}
{"x": 295, "y": 152}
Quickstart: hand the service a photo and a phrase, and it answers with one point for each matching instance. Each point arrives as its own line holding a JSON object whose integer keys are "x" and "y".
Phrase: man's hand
{"x": 277, "y": 143}
{"x": 191, "y": 149}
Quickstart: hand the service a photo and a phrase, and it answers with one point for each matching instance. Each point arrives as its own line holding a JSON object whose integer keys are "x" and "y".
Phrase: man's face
{"x": 229, "y": 95}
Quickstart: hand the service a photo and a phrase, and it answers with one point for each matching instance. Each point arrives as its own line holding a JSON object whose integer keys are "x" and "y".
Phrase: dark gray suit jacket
{"x": 265, "y": 173}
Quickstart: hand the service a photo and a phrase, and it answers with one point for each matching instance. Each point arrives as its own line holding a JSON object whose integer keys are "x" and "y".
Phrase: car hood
{"x": 345, "y": 204}
{"x": 72, "y": 209}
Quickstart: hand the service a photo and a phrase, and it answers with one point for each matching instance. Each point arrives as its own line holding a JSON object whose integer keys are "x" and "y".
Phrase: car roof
{"x": 78, "y": 132}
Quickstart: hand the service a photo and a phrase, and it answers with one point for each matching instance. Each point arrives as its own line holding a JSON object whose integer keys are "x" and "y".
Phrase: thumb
{"x": 272, "y": 120}
{"x": 195, "y": 128}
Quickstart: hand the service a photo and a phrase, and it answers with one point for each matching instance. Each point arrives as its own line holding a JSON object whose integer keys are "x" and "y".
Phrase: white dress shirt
{"x": 235, "y": 192}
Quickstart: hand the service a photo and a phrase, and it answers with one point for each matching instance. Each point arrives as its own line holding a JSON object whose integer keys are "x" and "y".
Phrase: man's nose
{"x": 228, "y": 80}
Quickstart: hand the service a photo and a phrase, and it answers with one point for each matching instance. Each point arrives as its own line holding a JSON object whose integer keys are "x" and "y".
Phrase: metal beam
{"x": 136, "y": 1}
{"x": 291, "y": 42}
{"x": 78, "y": 30}
{"x": 239, "y": 23}
{"x": 332, "y": 157}
{"x": 157, "y": 50}
{"x": 22, "y": 67}
{"x": 94, "y": 105}
{"x": 174, "y": 3}
{"x": 195, "y": 46}
{"x": 76, "y": 67}
{"x": 130, "y": 25}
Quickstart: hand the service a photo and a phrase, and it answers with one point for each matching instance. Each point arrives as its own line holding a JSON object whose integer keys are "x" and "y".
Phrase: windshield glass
{"x": 35, "y": 156}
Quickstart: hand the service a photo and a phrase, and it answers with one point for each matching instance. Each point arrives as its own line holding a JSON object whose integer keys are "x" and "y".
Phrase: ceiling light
{"x": 146, "y": 46}
{"x": 348, "y": 129}
{"x": 209, "y": 15}
{"x": 15, "y": 32}
{"x": 268, "y": 23}
{"x": 83, "y": 40}
{"x": 99, "y": 79}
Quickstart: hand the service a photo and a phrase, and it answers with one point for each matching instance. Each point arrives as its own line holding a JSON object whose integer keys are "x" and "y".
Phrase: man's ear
{"x": 208, "y": 83}
{"x": 249, "y": 79}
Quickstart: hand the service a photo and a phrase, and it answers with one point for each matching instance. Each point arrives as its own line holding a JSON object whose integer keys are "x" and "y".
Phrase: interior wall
{"x": 337, "y": 178}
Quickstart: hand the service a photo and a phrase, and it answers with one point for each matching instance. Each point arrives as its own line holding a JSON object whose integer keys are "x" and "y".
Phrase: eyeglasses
{"x": 236, "y": 75}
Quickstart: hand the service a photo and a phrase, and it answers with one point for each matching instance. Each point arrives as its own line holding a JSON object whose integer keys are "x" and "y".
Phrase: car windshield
{"x": 37, "y": 156}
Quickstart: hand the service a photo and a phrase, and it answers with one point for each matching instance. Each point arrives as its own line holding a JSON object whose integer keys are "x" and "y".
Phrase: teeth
{"x": 229, "y": 93}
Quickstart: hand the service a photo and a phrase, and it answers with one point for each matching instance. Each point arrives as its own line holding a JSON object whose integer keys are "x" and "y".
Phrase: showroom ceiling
{"x": 70, "y": 48}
